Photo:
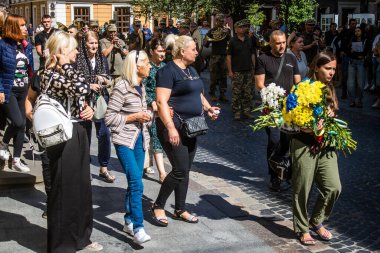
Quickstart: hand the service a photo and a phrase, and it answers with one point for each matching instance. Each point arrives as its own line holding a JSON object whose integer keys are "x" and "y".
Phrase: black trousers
{"x": 181, "y": 158}
{"x": 279, "y": 143}
{"x": 69, "y": 205}
{"x": 15, "y": 111}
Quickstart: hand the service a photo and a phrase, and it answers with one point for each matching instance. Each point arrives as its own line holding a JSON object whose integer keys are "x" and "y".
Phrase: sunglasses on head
{"x": 137, "y": 55}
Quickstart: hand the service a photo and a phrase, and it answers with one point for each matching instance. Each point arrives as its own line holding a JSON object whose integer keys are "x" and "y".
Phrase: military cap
{"x": 94, "y": 22}
{"x": 112, "y": 28}
{"x": 242, "y": 22}
{"x": 219, "y": 16}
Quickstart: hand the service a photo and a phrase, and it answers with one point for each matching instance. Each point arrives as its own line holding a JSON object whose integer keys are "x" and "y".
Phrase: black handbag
{"x": 193, "y": 127}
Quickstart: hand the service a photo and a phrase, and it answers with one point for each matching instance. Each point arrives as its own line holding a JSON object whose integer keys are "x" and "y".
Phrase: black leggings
{"x": 15, "y": 111}
{"x": 181, "y": 158}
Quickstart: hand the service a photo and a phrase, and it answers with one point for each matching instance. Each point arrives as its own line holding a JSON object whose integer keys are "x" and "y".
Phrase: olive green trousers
{"x": 321, "y": 168}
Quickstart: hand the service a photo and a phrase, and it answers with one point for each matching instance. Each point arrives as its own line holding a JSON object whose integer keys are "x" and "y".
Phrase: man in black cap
{"x": 136, "y": 39}
{"x": 240, "y": 64}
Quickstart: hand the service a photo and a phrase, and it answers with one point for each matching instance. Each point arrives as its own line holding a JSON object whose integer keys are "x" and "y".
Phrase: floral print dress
{"x": 150, "y": 87}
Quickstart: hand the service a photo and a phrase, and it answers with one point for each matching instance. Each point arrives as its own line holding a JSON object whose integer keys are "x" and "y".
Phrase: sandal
{"x": 106, "y": 175}
{"x": 178, "y": 215}
{"x": 149, "y": 170}
{"x": 326, "y": 235}
{"x": 160, "y": 221}
{"x": 306, "y": 242}
{"x": 95, "y": 246}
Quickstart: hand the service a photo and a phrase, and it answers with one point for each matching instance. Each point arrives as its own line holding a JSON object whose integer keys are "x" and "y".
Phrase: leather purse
{"x": 193, "y": 127}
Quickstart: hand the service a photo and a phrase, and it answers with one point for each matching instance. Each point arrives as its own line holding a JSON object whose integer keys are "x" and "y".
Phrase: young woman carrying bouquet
{"x": 315, "y": 165}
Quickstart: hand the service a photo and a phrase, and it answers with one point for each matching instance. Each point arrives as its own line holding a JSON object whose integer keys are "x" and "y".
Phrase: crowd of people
{"x": 151, "y": 83}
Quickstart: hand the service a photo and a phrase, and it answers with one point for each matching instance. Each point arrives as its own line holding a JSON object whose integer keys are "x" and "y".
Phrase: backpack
{"x": 51, "y": 123}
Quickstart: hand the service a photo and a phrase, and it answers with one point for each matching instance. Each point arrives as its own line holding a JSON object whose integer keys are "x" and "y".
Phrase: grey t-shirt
{"x": 115, "y": 58}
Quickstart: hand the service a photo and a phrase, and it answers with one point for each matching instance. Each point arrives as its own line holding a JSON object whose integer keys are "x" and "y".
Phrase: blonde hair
{"x": 170, "y": 40}
{"x": 58, "y": 42}
{"x": 129, "y": 69}
{"x": 181, "y": 43}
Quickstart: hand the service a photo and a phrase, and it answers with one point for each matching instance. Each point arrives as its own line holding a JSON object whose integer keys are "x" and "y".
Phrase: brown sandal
{"x": 106, "y": 175}
{"x": 306, "y": 242}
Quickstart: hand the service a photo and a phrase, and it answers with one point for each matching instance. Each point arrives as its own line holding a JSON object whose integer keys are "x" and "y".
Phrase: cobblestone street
{"x": 236, "y": 155}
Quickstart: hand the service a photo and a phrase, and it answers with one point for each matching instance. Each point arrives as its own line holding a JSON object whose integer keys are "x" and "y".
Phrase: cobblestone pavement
{"x": 231, "y": 161}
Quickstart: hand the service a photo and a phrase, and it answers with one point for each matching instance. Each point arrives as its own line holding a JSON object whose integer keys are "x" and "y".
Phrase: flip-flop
{"x": 326, "y": 236}
{"x": 178, "y": 215}
{"x": 159, "y": 220}
{"x": 306, "y": 242}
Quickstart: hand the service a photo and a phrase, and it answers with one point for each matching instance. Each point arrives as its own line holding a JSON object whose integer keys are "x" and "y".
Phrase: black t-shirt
{"x": 311, "y": 52}
{"x": 219, "y": 47}
{"x": 185, "y": 97}
{"x": 41, "y": 39}
{"x": 268, "y": 64}
{"x": 241, "y": 54}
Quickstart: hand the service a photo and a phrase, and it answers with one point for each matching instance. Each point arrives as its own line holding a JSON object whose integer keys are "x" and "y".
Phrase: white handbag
{"x": 51, "y": 123}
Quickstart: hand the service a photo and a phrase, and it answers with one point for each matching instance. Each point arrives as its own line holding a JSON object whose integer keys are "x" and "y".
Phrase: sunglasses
{"x": 137, "y": 55}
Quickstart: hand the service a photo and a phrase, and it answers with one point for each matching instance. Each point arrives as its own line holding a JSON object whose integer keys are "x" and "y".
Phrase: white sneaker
{"x": 4, "y": 153}
{"x": 141, "y": 237}
{"x": 128, "y": 229}
{"x": 19, "y": 166}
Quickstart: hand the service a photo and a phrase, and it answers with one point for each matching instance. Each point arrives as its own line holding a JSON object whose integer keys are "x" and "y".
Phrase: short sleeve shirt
{"x": 241, "y": 54}
{"x": 219, "y": 47}
{"x": 268, "y": 64}
{"x": 115, "y": 60}
{"x": 186, "y": 92}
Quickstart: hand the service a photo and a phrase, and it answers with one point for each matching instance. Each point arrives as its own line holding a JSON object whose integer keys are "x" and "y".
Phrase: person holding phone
{"x": 69, "y": 205}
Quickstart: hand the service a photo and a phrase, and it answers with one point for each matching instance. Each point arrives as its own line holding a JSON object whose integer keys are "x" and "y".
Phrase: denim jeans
{"x": 132, "y": 161}
{"x": 356, "y": 79}
{"x": 104, "y": 142}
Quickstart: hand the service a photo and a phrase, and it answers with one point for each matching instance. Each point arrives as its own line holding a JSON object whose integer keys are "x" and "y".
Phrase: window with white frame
{"x": 122, "y": 16}
{"x": 21, "y": 11}
{"x": 82, "y": 12}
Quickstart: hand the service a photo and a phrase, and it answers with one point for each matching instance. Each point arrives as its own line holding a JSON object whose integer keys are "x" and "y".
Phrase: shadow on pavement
{"x": 15, "y": 227}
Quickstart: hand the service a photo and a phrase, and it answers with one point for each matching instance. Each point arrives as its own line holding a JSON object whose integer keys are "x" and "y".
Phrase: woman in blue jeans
{"x": 94, "y": 66}
{"x": 127, "y": 116}
{"x": 358, "y": 48}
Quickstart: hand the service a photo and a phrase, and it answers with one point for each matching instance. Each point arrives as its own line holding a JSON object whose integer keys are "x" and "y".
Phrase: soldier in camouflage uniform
{"x": 240, "y": 64}
{"x": 219, "y": 37}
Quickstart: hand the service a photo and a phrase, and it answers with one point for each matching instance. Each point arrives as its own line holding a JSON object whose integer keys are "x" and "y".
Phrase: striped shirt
{"x": 126, "y": 100}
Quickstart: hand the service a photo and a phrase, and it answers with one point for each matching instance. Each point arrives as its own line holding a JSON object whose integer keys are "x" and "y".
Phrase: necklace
{"x": 188, "y": 75}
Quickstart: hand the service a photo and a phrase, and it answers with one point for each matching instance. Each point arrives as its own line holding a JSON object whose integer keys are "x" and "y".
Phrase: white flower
{"x": 271, "y": 94}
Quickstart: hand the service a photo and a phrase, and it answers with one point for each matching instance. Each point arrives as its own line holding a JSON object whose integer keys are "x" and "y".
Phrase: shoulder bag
{"x": 51, "y": 123}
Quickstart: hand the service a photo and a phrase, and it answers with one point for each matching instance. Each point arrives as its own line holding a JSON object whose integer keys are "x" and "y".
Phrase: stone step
{"x": 9, "y": 176}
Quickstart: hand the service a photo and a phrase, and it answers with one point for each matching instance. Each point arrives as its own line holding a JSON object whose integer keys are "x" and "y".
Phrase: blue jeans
{"x": 104, "y": 142}
{"x": 132, "y": 161}
{"x": 356, "y": 79}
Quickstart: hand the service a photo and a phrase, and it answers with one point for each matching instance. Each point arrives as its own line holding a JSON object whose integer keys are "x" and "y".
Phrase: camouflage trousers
{"x": 242, "y": 91}
{"x": 218, "y": 73}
